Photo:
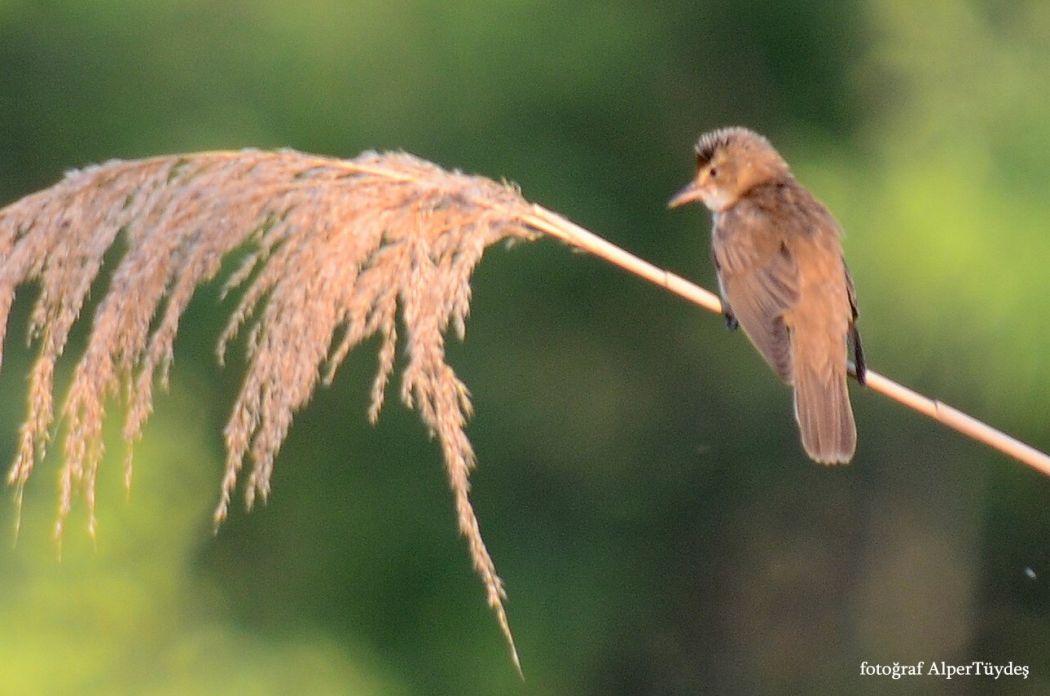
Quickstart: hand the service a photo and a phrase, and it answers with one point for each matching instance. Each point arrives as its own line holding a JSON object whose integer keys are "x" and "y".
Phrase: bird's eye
{"x": 712, "y": 172}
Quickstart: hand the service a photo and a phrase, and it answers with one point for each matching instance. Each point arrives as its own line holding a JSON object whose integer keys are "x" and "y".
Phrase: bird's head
{"x": 729, "y": 163}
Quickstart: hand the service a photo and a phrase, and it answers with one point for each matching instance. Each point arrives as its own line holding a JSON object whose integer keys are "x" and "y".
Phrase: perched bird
{"x": 778, "y": 256}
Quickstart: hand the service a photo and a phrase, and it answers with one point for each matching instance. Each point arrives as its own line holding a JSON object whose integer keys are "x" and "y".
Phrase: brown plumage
{"x": 778, "y": 255}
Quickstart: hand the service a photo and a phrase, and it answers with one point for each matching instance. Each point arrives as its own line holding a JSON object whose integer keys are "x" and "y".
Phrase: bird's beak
{"x": 690, "y": 193}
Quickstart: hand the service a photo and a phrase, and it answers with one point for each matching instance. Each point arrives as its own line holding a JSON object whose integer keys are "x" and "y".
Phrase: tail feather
{"x": 824, "y": 415}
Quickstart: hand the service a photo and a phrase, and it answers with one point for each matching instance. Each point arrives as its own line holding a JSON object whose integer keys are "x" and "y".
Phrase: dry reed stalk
{"x": 571, "y": 233}
{"x": 333, "y": 249}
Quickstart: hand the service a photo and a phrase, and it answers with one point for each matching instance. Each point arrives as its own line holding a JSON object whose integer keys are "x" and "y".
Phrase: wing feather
{"x": 758, "y": 295}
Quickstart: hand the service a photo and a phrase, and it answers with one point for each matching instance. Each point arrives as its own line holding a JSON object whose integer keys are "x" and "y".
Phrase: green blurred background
{"x": 641, "y": 486}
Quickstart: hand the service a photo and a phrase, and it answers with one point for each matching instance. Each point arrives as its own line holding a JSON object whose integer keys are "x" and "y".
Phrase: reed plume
{"x": 332, "y": 249}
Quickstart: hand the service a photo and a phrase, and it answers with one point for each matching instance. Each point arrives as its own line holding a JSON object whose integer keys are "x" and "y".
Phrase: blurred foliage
{"x": 640, "y": 483}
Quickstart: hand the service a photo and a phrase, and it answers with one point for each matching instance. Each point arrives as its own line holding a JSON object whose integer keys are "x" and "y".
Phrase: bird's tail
{"x": 823, "y": 412}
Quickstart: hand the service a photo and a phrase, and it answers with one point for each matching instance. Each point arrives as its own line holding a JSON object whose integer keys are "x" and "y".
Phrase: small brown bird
{"x": 778, "y": 255}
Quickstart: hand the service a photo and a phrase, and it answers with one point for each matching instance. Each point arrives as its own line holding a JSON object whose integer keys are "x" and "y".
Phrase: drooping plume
{"x": 333, "y": 249}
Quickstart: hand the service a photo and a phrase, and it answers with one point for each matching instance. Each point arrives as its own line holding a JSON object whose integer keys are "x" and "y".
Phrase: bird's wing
{"x": 760, "y": 285}
{"x": 859, "y": 368}
{"x": 852, "y": 293}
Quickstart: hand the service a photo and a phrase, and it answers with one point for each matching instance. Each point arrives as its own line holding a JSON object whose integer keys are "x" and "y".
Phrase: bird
{"x": 777, "y": 253}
